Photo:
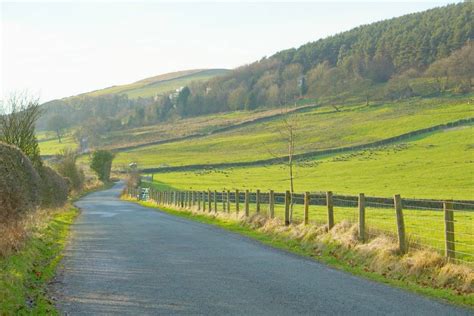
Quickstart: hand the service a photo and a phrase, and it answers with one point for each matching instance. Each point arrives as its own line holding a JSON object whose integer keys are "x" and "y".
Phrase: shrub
{"x": 67, "y": 167}
{"x": 102, "y": 163}
{"x": 54, "y": 188}
{"x": 19, "y": 184}
{"x": 18, "y": 126}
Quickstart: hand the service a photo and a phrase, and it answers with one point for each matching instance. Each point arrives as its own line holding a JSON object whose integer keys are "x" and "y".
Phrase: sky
{"x": 63, "y": 48}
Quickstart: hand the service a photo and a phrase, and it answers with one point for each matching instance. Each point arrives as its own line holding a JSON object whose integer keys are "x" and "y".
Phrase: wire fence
{"x": 443, "y": 226}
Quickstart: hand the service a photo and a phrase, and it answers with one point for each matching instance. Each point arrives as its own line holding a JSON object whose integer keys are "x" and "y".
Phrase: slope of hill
{"x": 397, "y": 58}
{"x": 318, "y": 129}
{"x": 437, "y": 165}
{"x": 160, "y": 84}
{"x": 114, "y": 105}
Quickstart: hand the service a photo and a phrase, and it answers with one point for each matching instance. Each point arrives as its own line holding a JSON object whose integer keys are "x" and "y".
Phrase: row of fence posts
{"x": 188, "y": 199}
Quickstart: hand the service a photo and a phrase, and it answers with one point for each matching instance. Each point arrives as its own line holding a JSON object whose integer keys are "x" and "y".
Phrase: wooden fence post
{"x": 193, "y": 198}
{"x": 198, "y": 200}
{"x": 247, "y": 197}
{"x": 306, "y": 207}
{"x": 209, "y": 201}
{"x": 237, "y": 200}
{"x": 223, "y": 201}
{"x": 228, "y": 201}
{"x": 287, "y": 207}
{"x": 257, "y": 201}
{"x": 203, "y": 201}
{"x": 271, "y": 203}
{"x": 330, "y": 205}
{"x": 400, "y": 224}
{"x": 449, "y": 229}
{"x": 362, "y": 217}
{"x": 215, "y": 201}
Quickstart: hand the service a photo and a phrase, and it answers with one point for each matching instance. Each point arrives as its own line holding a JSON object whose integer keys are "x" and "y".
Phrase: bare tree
{"x": 17, "y": 124}
{"x": 289, "y": 133}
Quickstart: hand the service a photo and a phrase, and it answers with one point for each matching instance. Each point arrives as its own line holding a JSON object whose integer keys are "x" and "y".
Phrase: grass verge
{"x": 24, "y": 275}
{"x": 333, "y": 254}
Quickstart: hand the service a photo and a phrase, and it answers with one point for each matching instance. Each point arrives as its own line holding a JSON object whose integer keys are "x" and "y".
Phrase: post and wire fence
{"x": 445, "y": 226}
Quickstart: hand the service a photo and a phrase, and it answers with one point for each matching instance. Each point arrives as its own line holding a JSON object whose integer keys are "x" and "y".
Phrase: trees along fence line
{"x": 413, "y": 222}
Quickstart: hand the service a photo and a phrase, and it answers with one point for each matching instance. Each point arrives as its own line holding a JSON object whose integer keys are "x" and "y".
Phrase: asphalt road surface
{"x": 126, "y": 259}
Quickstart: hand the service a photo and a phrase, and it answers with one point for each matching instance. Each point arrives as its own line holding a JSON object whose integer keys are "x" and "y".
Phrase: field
{"x": 317, "y": 129}
{"x": 188, "y": 126}
{"x": 439, "y": 165}
{"x": 160, "y": 84}
{"x": 51, "y": 146}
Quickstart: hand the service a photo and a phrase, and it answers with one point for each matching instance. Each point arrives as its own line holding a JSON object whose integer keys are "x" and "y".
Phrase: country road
{"x": 126, "y": 259}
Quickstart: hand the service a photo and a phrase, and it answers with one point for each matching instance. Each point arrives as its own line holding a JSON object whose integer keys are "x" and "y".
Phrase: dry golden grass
{"x": 16, "y": 233}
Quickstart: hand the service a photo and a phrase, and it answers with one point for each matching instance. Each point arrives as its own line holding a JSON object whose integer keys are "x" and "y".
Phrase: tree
{"x": 101, "y": 163}
{"x": 289, "y": 132}
{"x": 17, "y": 125}
{"x": 58, "y": 123}
{"x": 182, "y": 101}
{"x": 66, "y": 166}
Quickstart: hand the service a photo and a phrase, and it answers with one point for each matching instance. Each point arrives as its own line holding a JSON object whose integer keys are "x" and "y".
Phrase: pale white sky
{"x": 62, "y": 48}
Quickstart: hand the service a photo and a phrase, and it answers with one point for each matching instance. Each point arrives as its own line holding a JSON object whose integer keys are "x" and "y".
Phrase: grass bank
{"x": 421, "y": 272}
{"x": 24, "y": 275}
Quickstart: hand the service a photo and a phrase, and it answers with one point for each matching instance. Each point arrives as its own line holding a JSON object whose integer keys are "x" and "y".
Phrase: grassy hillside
{"x": 317, "y": 129}
{"x": 439, "y": 165}
{"x": 184, "y": 127}
{"x": 51, "y": 146}
{"x": 159, "y": 84}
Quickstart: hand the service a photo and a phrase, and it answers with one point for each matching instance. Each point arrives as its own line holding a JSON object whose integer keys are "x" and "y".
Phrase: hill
{"x": 111, "y": 106}
{"x": 427, "y": 54}
{"x": 420, "y": 54}
{"x": 318, "y": 128}
{"x": 160, "y": 84}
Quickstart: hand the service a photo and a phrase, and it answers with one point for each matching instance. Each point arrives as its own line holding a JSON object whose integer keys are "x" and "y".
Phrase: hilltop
{"x": 160, "y": 84}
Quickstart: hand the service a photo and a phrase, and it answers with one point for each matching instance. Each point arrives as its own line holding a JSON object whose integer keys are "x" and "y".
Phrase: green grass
{"x": 184, "y": 127}
{"x": 327, "y": 256}
{"x": 439, "y": 165}
{"x": 318, "y": 129}
{"x": 53, "y": 146}
{"x": 24, "y": 275}
{"x": 162, "y": 87}
{"x": 160, "y": 84}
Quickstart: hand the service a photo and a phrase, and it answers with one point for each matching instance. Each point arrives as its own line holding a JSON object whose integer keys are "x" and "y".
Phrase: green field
{"x": 51, "y": 146}
{"x": 317, "y": 129}
{"x": 160, "y": 84}
{"x": 184, "y": 127}
{"x": 439, "y": 165}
